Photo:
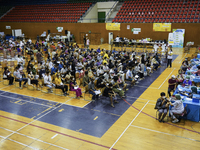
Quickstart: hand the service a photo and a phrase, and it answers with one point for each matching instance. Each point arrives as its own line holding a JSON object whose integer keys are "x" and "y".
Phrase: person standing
{"x": 117, "y": 41}
{"x": 88, "y": 42}
{"x": 169, "y": 58}
{"x": 84, "y": 41}
{"x": 172, "y": 84}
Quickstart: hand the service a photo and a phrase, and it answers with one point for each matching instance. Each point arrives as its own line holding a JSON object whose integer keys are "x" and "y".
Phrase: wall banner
{"x": 178, "y": 35}
{"x": 113, "y": 26}
{"x": 164, "y": 27}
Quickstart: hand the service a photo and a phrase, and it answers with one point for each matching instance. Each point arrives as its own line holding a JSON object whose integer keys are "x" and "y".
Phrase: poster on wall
{"x": 170, "y": 39}
{"x": 135, "y": 30}
{"x": 8, "y": 27}
{"x": 59, "y": 29}
{"x": 113, "y": 26}
{"x": 178, "y": 35}
{"x": 164, "y": 27}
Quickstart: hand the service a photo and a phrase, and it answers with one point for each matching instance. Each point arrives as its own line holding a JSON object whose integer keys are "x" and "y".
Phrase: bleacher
{"x": 163, "y": 11}
{"x": 70, "y": 12}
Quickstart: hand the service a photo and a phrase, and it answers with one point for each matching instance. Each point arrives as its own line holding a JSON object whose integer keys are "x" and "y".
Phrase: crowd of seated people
{"x": 63, "y": 66}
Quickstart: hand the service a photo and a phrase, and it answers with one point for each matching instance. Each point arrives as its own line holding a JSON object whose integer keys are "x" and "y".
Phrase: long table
{"x": 193, "y": 108}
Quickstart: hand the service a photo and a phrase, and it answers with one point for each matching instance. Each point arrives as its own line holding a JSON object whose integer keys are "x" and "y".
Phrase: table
{"x": 193, "y": 109}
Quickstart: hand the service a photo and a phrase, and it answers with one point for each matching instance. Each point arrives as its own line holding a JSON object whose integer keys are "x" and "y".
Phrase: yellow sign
{"x": 165, "y": 27}
{"x": 113, "y": 26}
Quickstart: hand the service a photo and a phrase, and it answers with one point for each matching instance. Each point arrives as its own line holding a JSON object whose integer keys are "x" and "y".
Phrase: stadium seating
{"x": 70, "y": 12}
{"x": 161, "y": 11}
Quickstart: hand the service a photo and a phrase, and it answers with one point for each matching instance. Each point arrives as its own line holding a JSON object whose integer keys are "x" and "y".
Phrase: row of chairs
{"x": 40, "y": 20}
{"x": 157, "y": 20}
{"x": 160, "y": 2}
{"x": 159, "y": 16}
{"x": 158, "y": 11}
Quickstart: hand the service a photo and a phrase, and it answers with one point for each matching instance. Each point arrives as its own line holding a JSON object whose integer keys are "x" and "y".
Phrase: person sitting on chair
{"x": 7, "y": 75}
{"x": 162, "y": 106}
{"x": 172, "y": 84}
{"x": 19, "y": 78}
{"x": 48, "y": 82}
{"x": 91, "y": 88}
{"x": 187, "y": 81}
{"x": 108, "y": 92}
{"x": 177, "y": 109}
{"x": 33, "y": 80}
{"x": 60, "y": 85}
{"x": 74, "y": 87}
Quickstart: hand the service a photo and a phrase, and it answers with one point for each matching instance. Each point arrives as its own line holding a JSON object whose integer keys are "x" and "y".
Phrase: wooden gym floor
{"x": 36, "y": 120}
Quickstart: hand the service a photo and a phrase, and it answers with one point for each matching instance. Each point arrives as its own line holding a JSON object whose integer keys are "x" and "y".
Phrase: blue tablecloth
{"x": 193, "y": 109}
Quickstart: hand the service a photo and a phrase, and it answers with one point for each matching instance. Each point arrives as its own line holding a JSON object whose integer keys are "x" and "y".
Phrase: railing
{"x": 111, "y": 10}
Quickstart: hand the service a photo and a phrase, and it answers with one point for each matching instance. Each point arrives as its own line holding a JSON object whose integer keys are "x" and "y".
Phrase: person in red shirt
{"x": 172, "y": 84}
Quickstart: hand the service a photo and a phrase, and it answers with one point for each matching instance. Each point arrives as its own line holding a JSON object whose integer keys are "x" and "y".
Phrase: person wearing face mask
{"x": 169, "y": 58}
{"x": 177, "y": 109}
{"x": 7, "y": 75}
{"x": 179, "y": 77}
{"x": 162, "y": 106}
{"x": 187, "y": 82}
{"x": 92, "y": 89}
{"x": 32, "y": 79}
{"x": 74, "y": 87}
{"x": 172, "y": 84}
{"x": 60, "y": 85}
{"x": 108, "y": 92}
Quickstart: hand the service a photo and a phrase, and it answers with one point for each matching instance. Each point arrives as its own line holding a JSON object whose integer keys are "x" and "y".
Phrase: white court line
{"x": 34, "y": 121}
{"x": 41, "y": 98}
{"x": 34, "y": 138}
{"x": 54, "y": 136}
{"x": 166, "y": 78}
{"x": 128, "y": 126}
{"x": 20, "y": 143}
{"x": 165, "y": 133}
{"x": 26, "y": 101}
{"x": 182, "y": 58}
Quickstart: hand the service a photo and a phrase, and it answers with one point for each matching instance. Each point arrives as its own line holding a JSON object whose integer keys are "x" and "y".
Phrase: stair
{"x": 114, "y": 13}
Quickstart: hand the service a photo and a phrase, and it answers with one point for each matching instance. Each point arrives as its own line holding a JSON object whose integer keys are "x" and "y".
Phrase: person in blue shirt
{"x": 98, "y": 50}
{"x": 54, "y": 69}
{"x": 114, "y": 51}
{"x": 187, "y": 81}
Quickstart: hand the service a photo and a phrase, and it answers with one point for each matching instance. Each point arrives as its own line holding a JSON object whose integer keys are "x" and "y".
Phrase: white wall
{"x": 101, "y": 5}
{"x": 105, "y": 6}
{"x": 92, "y": 16}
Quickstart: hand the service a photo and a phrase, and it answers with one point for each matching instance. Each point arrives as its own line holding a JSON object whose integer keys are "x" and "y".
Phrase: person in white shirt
{"x": 19, "y": 78}
{"x": 100, "y": 71}
{"x": 129, "y": 76}
{"x": 47, "y": 81}
{"x": 19, "y": 60}
{"x": 105, "y": 68}
{"x": 177, "y": 109}
{"x": 169, "y": 58}
{"x": 87, "y": 42}
{"x": 117, "y": 40}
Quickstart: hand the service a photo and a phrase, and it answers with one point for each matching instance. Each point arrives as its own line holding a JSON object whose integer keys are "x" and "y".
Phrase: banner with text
{"x": 113, "y": 26}
{"x": 178, "y": 35}
{"x": 164, "y": 27}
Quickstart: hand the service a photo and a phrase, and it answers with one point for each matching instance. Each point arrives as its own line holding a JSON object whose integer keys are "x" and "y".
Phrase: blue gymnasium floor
{"x": 75, "y": 118}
